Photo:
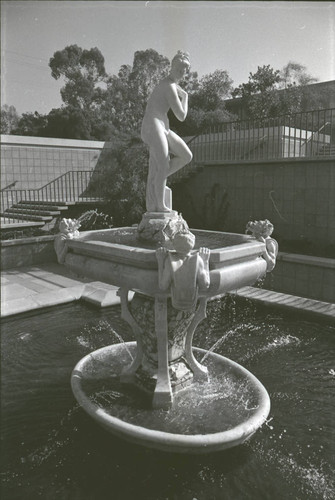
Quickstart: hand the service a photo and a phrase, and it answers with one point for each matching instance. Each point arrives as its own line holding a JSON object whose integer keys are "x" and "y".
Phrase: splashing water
{"x": 217, "y": 344}
{"x": 102, "y": 326}
{"x": 120, "y": 339}
{"x": 278, "y": 342}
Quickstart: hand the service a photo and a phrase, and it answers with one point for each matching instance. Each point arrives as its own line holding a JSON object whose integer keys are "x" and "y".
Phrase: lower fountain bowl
{"x": 206, "y": 417}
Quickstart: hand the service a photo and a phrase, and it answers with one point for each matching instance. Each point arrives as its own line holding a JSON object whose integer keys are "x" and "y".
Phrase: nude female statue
{"x": 161, "y": 140}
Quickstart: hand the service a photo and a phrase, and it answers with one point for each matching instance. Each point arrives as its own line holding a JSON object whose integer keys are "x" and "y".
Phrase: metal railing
{"x": 309, "y": 134}
{"x": 19, "y": 205}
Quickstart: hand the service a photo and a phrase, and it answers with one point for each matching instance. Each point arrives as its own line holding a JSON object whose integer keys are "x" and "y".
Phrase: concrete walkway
{"x": 28, "y": 288}
{"x": 290, "y": 302}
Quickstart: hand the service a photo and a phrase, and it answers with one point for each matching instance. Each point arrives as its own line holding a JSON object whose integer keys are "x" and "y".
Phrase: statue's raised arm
{"x": 160, "y": 139}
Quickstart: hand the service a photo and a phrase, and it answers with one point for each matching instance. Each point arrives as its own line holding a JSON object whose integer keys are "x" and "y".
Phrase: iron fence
{"x": 19, "y": 205}
{"x": 309, "y": 134}
{"x": 302, "y": 135}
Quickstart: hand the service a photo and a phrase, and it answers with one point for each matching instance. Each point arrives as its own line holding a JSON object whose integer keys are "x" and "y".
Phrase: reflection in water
{"x": 51, "y": 449}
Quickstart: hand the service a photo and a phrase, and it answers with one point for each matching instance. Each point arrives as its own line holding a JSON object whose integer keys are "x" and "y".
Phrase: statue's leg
{"x": 158, "y": 170}
{"x": 151, "y": 202}
{"x": 180, "y": 150}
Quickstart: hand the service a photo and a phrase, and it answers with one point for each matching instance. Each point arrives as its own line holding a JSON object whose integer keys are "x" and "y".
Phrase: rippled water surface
{"x": 128, "y": 237}
{"x": 51, "y": 449}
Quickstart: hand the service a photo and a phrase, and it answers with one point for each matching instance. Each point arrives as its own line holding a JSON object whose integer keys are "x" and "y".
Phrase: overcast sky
{"x": 234, "y": 36}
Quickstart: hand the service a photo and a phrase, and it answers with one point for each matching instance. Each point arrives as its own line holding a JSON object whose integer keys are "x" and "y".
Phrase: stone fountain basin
{"x": 205, "y": 418}
{"x": 116, "y": 257}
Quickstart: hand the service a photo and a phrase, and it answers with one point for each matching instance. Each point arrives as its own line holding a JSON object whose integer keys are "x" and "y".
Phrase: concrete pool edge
{"x": 281, "y": 300}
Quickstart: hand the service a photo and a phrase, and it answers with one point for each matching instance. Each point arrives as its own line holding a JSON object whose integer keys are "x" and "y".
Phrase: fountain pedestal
{"x": 151, "y": 228}
{"x": 164, "y": 362}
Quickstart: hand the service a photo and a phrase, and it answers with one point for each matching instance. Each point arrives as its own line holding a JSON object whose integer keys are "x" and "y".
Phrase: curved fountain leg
{"x": 163, "y": 392}
{"x": 200, "y": 372}
{"x": 128, "y": 372}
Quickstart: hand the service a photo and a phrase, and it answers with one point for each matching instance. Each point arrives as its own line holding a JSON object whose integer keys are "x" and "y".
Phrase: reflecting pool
{"x": 51, "y": 449}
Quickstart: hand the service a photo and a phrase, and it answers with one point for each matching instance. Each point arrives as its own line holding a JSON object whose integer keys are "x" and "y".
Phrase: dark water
{"x": 51, "y": 449}
{"x": 128, "y": 237}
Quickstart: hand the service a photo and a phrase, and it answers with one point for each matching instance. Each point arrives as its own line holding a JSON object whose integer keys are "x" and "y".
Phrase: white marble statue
{"x": 160, "y": 139}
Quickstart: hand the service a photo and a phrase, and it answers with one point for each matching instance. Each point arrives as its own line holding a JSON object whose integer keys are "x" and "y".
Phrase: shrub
{"x": 123, "y": 167}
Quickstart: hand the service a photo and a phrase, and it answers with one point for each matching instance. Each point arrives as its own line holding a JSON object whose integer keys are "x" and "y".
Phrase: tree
{"x": 32, "y": 124}
{"x": 82, "y": 71}
{"x": 295, "y": 74}
{"x": 120, "y": 107}
{"x": 206, "y": 103}
{"x": 190, "y": 82}
{"x": 270, "y": 93}
{"x": 128, "y": 92}
{"x": 213, "y": 89}
{"x": 296, "y": 81}
{"x": 9, "y": 119}
{"x": 68, "y": 123}
{"x": 259, "y": 93}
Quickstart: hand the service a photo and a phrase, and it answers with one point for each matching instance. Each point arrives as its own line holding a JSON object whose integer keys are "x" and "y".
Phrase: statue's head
{"x": 260, "y": 228}
{"x": 65, "y": 226}
{"x": 183, "y": 242}
{"x": 180, "y": 65}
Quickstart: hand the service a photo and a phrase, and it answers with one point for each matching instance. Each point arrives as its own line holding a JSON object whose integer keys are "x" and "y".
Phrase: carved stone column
{"x": 164, "y": 363}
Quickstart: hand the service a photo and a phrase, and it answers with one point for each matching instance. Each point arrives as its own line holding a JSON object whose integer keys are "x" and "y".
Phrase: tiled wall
{"x": 297, "y": 196}
{"x": 303, "y": 276}
{"x": 34, "y": 161}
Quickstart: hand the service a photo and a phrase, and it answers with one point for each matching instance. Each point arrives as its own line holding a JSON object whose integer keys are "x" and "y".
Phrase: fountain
{"x": 159, "y": 391}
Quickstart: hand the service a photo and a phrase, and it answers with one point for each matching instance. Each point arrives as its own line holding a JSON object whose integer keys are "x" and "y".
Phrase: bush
{"x": 123, "y": 167}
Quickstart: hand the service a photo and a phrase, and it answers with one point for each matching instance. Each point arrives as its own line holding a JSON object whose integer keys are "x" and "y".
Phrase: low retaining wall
{"x": 27, "y": 252}
{"x": 304, "y": 276}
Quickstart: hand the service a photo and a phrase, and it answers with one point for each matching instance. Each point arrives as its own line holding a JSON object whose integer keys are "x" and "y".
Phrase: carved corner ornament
{"x": 261, "y": 230}
{"x": 68, "y": 230}
{"x": 182, "y": 271}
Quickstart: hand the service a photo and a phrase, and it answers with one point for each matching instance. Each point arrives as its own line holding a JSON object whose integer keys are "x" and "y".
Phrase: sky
{"x": 229, "y": 35}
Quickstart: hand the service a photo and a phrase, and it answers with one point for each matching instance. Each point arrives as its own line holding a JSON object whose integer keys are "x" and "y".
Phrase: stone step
{"x": 34, "y": 206}
{"x": 7, "y": 224}
{"x": 30, "y": 211}
{"x": 16, "y": 215}
{"x": 48, "y": 202}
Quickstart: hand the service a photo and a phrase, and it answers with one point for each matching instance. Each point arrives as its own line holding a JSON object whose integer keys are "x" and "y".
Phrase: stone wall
{"x": 297, "y": 196}
{"x": 304, "y": 276}
{"x": 32, "y": 162}
{"x": 27, "y": 252}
